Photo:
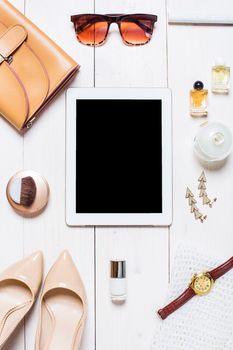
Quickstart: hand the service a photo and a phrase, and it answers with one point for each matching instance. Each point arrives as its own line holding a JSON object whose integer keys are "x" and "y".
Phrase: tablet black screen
{"x": 119, "y": 156}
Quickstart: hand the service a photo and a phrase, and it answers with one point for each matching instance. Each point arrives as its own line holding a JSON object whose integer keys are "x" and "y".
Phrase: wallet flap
{"x": 21, "y": 74}
{"x": 32, "y": 74}
{"x": 14, "y": 105}
{"x": 57, "y": 63}
{"x": 39, "y": 67}
{"x": 10, "y": 40}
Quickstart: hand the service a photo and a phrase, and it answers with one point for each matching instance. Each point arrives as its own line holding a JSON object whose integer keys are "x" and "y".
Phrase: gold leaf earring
{"x": 203, "y": 194}
{"x": 194, "y": 209}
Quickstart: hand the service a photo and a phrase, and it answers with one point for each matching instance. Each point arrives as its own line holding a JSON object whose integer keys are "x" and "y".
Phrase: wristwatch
{"x": 201, "y": 284}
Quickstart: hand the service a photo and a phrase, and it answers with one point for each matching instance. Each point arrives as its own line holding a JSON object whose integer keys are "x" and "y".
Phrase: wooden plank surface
{"x": 148, "y": 251}
{"x": 44, "y": 151}
{"x": 130, "y": 326}
{"x": 192, "y": 51}
{"x": 11, "y": 225}
{"x": 118, "y": 65}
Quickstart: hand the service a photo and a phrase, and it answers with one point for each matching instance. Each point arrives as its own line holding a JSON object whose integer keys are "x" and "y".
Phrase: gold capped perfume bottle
{"x": 198, "y": 100}
{"x": 220, "y": 77}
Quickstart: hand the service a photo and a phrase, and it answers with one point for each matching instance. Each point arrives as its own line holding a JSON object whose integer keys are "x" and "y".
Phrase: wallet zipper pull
{"x": 9, "y": 59}
{"x": 30, "y": 123}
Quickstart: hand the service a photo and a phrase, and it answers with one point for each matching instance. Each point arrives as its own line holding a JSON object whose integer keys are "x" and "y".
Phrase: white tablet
{"x": 118, "y": 157}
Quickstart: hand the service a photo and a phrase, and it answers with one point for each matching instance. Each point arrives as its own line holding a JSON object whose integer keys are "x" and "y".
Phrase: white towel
{"x": 205, "y": 322}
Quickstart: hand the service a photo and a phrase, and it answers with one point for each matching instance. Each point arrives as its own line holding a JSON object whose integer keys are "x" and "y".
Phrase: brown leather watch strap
{"x": 177, "y": 303}
{"x": 222, "y": 269}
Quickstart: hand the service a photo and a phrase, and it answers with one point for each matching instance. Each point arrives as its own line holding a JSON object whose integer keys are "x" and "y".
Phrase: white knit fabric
{"x": 204, "y": 323}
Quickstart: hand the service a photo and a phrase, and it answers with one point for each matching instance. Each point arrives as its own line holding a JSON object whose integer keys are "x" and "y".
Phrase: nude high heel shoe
{"x": 19, "y": 285}
{"x": 63, "y": 307}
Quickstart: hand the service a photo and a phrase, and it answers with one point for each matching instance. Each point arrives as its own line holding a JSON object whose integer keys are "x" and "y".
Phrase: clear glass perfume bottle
{"x": 220, "y": 77}
{"x": 198, "y": 100}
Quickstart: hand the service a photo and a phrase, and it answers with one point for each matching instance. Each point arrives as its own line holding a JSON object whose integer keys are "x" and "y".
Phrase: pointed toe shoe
{"x": 19, "y": 285}
{"x": 63, "y": 307}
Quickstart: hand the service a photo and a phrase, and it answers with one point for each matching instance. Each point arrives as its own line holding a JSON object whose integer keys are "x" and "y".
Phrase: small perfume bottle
{"x": 198, "y": 100}
{"x": 220, "y": 77}
{"x": 118, "y": 281}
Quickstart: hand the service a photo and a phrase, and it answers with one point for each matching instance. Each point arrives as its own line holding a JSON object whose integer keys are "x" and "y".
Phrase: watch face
{"x": 202, "y": 283}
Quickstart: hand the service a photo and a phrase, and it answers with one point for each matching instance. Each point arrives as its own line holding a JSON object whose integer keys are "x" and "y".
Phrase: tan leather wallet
{"x": 33, "y": 69}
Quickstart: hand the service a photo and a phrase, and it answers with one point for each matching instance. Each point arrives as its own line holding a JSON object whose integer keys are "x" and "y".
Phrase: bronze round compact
{"x": 28, "y": 193}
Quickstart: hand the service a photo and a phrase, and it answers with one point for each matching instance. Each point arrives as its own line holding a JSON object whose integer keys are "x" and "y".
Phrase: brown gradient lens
{"x": 135, "y": 29}
{"x": 138, "y": 33}
{"x": 93, "y": 34}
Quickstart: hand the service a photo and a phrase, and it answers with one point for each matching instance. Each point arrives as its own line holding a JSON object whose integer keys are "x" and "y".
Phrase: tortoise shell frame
{"x": 135, "y": 29}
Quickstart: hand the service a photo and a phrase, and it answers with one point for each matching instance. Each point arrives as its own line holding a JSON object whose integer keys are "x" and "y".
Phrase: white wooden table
{"x": 176, "y": 57}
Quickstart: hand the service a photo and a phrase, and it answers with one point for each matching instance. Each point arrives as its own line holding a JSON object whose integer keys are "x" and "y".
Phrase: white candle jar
{"x": 213, "y": 144}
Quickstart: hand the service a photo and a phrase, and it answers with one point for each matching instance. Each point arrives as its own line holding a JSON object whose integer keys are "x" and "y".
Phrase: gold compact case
{"x": 202, "y": 283}
{"x": 28, "y": 193}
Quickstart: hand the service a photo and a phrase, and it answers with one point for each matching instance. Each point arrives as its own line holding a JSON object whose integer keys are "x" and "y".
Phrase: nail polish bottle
{"x": 220, "y": 77}
{"x": 118, "y": 288}
{"x": 198, "y": 100}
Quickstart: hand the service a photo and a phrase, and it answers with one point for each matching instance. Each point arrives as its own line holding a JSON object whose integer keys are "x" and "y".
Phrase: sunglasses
{"x": 92, "y": 29}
